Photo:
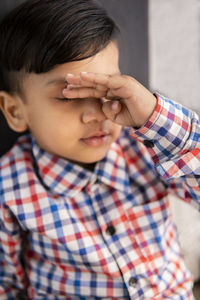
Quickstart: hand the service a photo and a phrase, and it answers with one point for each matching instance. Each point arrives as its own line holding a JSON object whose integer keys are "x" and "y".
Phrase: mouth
{"x": 97, "y": 139}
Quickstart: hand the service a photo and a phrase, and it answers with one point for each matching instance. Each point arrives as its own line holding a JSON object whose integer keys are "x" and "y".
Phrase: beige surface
{"x": 187, "y": 220}
{"x": 174, "y": 47}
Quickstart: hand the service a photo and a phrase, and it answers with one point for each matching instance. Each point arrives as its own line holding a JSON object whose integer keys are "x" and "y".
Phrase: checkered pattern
{"x": 68, "y": 233}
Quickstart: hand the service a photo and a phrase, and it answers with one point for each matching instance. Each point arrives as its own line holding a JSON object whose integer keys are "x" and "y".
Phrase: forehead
{"x": 106, "y": 61}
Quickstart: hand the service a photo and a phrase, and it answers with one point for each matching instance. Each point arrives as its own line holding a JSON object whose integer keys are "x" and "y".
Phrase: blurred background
{"x": 160, "y": 47}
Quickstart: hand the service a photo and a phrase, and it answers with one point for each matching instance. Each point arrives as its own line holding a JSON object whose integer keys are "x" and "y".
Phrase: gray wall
{"x": 132, "y": 17}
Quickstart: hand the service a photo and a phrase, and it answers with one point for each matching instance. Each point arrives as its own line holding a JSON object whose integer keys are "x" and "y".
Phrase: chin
{"x": 92, "y": 160}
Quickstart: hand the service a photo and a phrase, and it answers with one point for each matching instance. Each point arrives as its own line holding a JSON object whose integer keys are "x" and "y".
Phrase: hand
{"x": 126, "y": 101}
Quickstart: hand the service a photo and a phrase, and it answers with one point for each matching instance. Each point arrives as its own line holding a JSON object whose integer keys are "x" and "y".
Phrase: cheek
{"x": 53, "y": 122}
{"x": 117, "y": 129}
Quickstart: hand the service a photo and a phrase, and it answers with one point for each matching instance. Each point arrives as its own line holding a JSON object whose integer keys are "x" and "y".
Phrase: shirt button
{"x": 133, "y": 281}
{"x": 149, "y": 144}
{"x": 110, "y": 230}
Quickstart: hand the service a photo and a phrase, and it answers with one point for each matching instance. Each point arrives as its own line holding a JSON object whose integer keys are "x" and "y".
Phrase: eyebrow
{"x": 56, "y": 81}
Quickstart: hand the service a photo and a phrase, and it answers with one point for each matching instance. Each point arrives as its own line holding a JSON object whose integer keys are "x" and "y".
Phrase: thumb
{"x": 111, "y": 109}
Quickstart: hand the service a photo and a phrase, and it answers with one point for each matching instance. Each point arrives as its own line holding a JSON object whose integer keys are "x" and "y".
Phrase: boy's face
{"x": 76, "y": 130}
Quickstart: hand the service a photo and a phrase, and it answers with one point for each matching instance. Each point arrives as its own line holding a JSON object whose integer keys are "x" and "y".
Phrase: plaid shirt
{"x": 69, "y": 233}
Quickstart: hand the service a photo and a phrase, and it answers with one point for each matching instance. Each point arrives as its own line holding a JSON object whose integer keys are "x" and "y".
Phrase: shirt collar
{"x": 112, "y": 170}
{"x": 66, "y": 178}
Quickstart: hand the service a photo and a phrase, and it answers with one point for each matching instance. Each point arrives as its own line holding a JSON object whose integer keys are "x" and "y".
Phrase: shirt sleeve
{"x": 172, "y": 136}
{"x": 12, "y": 275}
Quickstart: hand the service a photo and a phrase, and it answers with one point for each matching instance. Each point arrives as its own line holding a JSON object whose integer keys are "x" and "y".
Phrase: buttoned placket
{"x": 110, "y": 233}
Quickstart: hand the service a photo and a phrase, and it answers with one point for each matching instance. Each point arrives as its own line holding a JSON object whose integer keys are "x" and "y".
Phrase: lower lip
{"x": 96, "y": 141}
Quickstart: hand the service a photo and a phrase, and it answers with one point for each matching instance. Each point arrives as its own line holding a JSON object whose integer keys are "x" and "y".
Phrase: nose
{"x": 92, "y": 112}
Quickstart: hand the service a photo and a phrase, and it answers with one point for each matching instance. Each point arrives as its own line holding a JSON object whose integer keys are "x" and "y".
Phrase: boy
{"x": 84, "y": 195}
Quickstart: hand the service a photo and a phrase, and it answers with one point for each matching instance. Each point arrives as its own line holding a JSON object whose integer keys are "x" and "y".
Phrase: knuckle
{"x": 107, "y": 79}
{"x": 101, "y": 87}
{"x": 98, "y": 94}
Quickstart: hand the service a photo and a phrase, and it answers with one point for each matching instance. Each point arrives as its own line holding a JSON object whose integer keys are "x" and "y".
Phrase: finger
{"x": 113, "y": 95}
{"x": 76, "y": 81}
{"x": 83, "y": 92}
{"x": 111, "y": 109}
{"x": 110, "y": 81}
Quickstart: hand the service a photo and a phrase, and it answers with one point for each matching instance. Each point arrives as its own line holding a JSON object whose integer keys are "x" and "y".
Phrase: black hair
{"x": 40, "y": 34}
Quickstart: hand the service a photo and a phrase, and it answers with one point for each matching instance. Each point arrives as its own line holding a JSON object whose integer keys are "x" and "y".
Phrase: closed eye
{"x": 65, "y": 99}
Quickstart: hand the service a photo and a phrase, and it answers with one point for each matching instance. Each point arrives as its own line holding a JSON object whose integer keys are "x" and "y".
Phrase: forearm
{"x": 172, "y": 136}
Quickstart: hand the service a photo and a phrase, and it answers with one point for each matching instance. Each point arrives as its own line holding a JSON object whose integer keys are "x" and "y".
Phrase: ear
{"x": 12, "y": 109}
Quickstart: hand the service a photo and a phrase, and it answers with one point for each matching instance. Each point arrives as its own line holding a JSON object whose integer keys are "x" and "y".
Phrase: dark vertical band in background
{"x": 132, "y": 18}
{"x": 7, "y": 136}
{"x": 7, "y": 5}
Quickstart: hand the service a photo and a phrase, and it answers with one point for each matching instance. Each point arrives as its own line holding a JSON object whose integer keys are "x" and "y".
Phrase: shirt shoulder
{"x": 15, "y": 164}
{"x": 21, "y": 149}
{"x": 130, "y": 146}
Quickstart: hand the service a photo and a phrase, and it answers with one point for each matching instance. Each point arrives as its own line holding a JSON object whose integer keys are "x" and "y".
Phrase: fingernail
{"x": 84, "y": 73}
{"x": 71, "y": 85}
{"x": 67, "y": 88}
{"x": 70, "y": 75}
{"x": 114, "y": 105}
